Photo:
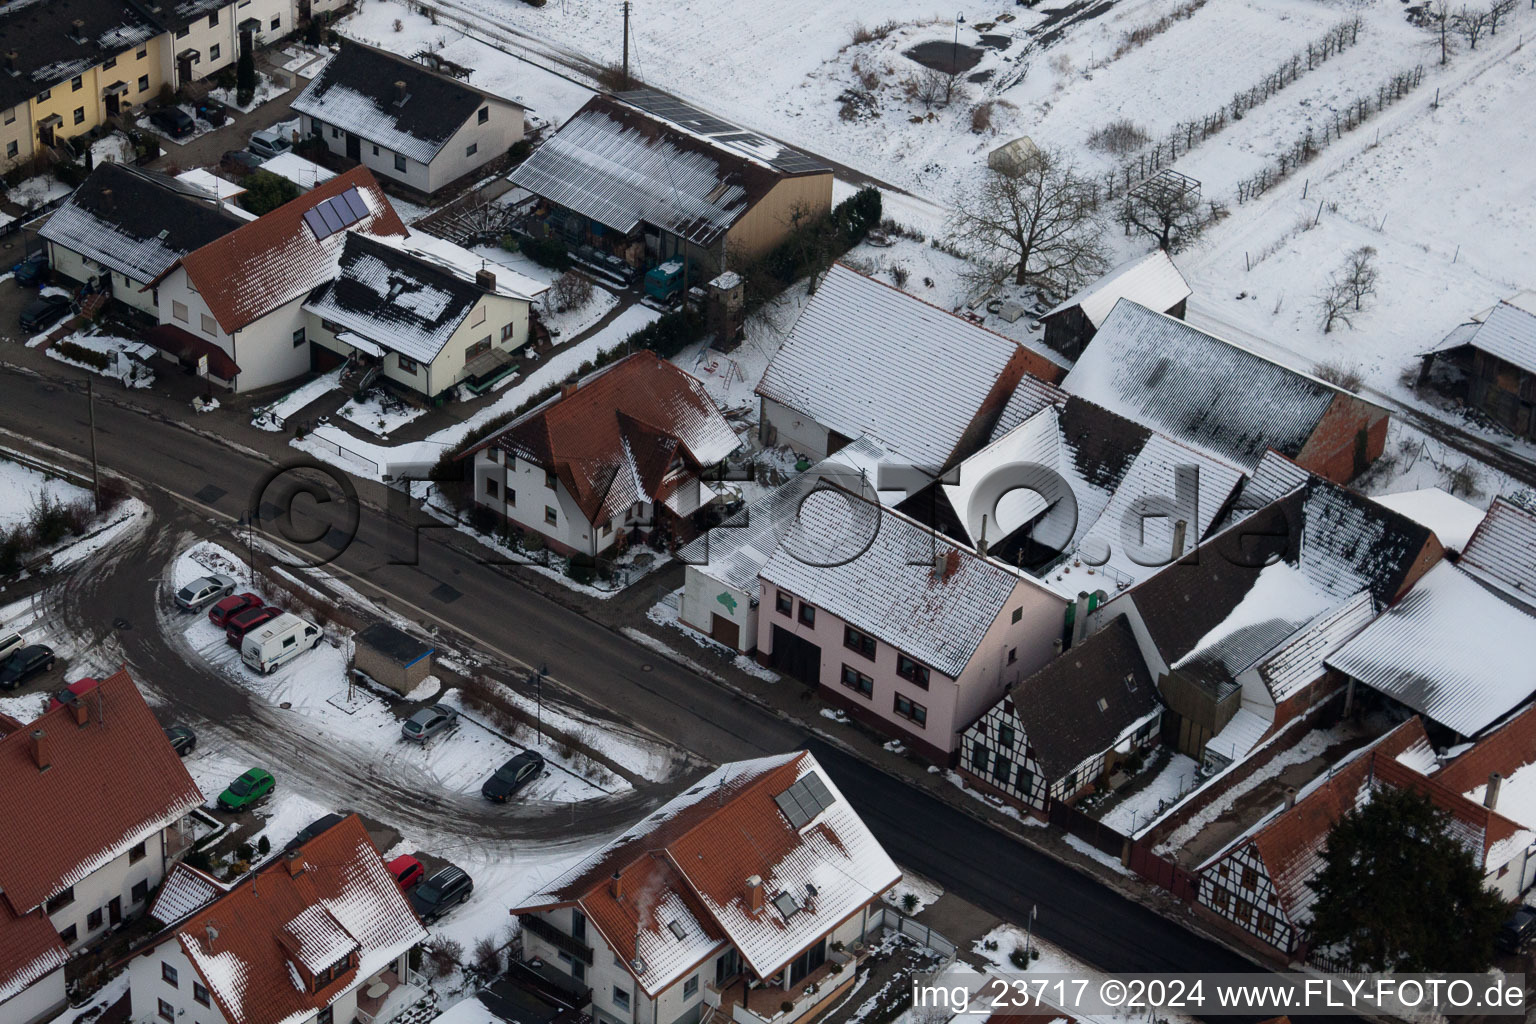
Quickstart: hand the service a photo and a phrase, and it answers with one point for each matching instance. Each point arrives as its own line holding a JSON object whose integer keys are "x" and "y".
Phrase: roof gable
{"x": 1509, "y": 333}
{"x": 95, "y": 813}
{"x": 1151, "y": 280}
{"x": 1502, "y": 551}
{"x": 276, "y": 258}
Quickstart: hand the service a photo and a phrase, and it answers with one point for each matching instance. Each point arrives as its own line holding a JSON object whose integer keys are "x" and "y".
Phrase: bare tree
{"x": 1334, "y": 305}
{"x": 571, "y": 290}
{"x": 1170, "y": 216}
{"x": 1470, "y": 24}
{"x": 1439, "y": 20}
{"x": 930, "y": 87}
{"x": 1035, "y": 219}
{"x": 1498, "y": 10}
{"x": 1360, "y": 275}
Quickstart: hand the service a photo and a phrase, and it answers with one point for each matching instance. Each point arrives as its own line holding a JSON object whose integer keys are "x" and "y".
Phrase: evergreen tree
{"x": 245, "y": 77}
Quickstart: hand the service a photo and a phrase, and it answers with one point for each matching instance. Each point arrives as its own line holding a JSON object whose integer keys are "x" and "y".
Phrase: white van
{"x": 10, "y": 642}
{"x": 275, "y": 643}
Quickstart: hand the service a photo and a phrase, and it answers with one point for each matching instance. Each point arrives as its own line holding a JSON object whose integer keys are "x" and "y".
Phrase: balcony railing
{"x": 536, "y": 925}
{"x": 766, "y": 1003}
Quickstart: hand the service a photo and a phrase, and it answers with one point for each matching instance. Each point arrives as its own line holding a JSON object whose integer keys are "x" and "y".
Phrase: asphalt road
{"x": 195, "y": 481}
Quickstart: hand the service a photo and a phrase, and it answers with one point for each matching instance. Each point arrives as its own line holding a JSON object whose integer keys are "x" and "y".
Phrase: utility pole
{"x": 626, "y": 44}
{"x": 90, "y": 401}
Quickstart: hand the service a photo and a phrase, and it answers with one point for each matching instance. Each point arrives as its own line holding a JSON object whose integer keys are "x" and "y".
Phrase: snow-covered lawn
{"x": 22, "y": 486}
{"x": 34, "y": 192}
{"x": 274, "y": 416}
{"x": 379, "y": 413}
{"x": 567, "y": 325}
{"x": 266, "y": 89}
{"x": 923, "y": 891}
{"x": 1177, "y": 776}
{"x": 130, "y": 372}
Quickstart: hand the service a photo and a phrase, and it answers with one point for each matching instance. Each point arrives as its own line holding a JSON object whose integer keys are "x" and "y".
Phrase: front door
{"x": 354, "y": 147}
{"x": 112, "y": 104}
{"x": 115, "y": 910}
{"x": 797, "y": 657}
{"x": 727, "y": 632}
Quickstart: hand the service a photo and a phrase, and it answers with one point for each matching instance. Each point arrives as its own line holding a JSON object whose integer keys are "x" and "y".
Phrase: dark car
{"x": 241, "y": 161}
{"x": 174, "y": 121}
{"x": 25, "y": 664}
{"x": 221, "y": 611}
{"x": 1518, "y": 931}
{"x": 513, "y": 776}
{"x": 315, "y": 827}
{"x": 181, "y": 739}
{"x": 31, "y": 271}
{"x": 44, "y": 312}
{"x": 441, "y": 893}
{"x": 241, "y": 623}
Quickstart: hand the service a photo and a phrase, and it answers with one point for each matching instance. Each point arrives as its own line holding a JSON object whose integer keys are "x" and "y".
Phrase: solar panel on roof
{"x": 316, "y": 224}
{"x": 804, "y": 800}
{"x": 332, "y": 219}
{"x": 355, "y": 203}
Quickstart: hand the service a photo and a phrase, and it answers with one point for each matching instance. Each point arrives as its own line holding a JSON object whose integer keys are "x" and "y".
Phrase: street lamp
{"x": 537, "y": 679}
{"x": 954, "y": 52}
{"x": 1029, "y": 934}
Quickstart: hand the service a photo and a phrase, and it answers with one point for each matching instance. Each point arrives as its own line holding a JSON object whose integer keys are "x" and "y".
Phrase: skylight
{"x": 330, "y": 216}
{"x": 677, "y": 929}
{"x": 786, "y": 904}
{"x": 804, "y": 800}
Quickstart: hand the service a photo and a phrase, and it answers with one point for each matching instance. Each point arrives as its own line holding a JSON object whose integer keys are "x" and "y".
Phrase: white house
{"x": 751, "y": 895}
{"x": 111, "y": 834}
{"x": 404, "y": 121}
{"x": 321, "y": 935}
{"x": 620, "y": 450}
{"x": 205, "y": 34}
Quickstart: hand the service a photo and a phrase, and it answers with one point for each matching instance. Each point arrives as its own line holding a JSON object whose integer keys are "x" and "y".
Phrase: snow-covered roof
{"x": 1449, "y": 649}
{"x": 51, "y": 48}
{"x": 1299, "y": 660}
{"x": 137, "y": 222}
{"x": 201, "y": 177}
{"x": 304, "y": 173}
{"x": 357, "y": 91}
{"x": 1279, "y": 602}
{"x": 1452, "y": 519}
{"x": 29, "y": 949}
{"x": 622, "y": 166}
{"x": 467, "y": 265}
{"x": 1502, "y": 551}
{"x": 467, "y": 1011}
{"x": 690, "y": 862}
{"x": 1032, "y": 395}
{"x": 184, "y": 891}
{"x": 892, "y": 578}
{"x": 1195, "y": 387}
{"x": 331, "y": 897}
{"x": 735, "y": 551}
{"x": 1151, "y": 280}
{"x": 1509, "y": 334}
{"x": 866, "y": 358}
{"x": 685, "y": 117}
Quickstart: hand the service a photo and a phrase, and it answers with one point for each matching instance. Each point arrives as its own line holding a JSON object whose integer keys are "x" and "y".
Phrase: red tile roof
{"x": 276, "y": 258}
{"x": 612, "y": 439}
{"x": 249, "y": 944}
{"x": 111, "y": 782}
{"x": 1507, "y": 749}
{"x": 184, "y": 345}
{"x": 29, "y": 949}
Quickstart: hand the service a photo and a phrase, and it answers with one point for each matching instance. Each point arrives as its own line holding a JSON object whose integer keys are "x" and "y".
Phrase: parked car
{"x": 513, "y": 776}
{"x": 256, "y": 784}
{"x": 407, "y": 871}
{"x": 204, "y": 589}
{"x": 10, "y": 642}
{"x": 315, "y": 827}
{"x": 1516, "y": 934}
{"x": 45, "y": 311}
{"x": 219, "y": 614}
{"x": 243, "y": 622}
{"x": 439, "y": 894}
{"x": 181, "y": 739}
{"x": 278, "y": 641}
{"x": 268, "y": 143}
{"x": 31, "y": 271}
{"x": 241, "y": 161}
{"x": 24, "y": 664}
{"x": 428, "y": 722}
{"x": 174, "y": 121}
{"x": 72, "y": 692}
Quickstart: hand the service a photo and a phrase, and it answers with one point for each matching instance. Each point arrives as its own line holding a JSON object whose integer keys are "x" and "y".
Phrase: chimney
{"x": 754, "y": 894}
{"x": 295, "y": 864}
{"x": 568, "y": 388}
{"x": 212, "y": 933}
{"x": 1180, "y": 528}
{"x": 1080, "y": 618}
{"x": 82, "y": 711}
{"x": 1491, "y": 797}
{"x": 1290, "y": 797}
{"x": 41, "y": 754}
{"x": 981, "y": 545}
{"x": 486, "y": 279}
{"x": 10, "y": 62}
{"x": 616, "y": 886}
{"x": 399, "y": 94}
{"x": 77, "y": 29}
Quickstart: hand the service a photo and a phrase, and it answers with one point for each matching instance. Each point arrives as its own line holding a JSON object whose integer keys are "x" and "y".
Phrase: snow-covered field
{"x": 22, "y": 486}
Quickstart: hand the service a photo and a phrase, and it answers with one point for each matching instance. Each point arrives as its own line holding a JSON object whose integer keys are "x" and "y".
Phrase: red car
{"x": 219, "y": 614}
{"x": 78, "y": 688}
{"x": 407, "y": 871}
{"x": 242, "y": 623}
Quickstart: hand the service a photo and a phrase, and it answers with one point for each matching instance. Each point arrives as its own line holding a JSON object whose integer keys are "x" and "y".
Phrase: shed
{"x": 392, "y": 657}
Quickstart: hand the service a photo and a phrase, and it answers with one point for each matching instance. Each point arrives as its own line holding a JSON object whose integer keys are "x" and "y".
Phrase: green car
{"x": 247, "y": 789}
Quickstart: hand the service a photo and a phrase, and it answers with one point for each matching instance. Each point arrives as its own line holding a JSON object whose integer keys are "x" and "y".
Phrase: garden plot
{"x": 380, "y": 412}
{"x": 266, "y": 89}
{"x": 117, "y": 358}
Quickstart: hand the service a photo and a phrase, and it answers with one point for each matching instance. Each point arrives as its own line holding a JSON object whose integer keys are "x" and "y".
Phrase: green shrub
{"x": 245, "y": 77}
{"x": 668, "y": 334}
{"x": 581, "y": 568}
{"x": 520, "y": 151}
{"x": 483, "y": 520}
{"x": 79, "y": 353}
{"x": 265, "y": 192}
{"x": 547, "y": 252}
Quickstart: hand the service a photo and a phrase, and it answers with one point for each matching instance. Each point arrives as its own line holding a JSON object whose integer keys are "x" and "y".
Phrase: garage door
{"x": 796, "y": 656}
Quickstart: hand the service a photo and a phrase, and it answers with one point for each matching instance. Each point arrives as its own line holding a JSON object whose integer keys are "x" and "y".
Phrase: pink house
{"x": 907, "y": 630}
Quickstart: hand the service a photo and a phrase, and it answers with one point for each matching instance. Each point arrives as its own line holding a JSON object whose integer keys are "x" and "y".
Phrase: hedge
{"x": 80, "y": 354}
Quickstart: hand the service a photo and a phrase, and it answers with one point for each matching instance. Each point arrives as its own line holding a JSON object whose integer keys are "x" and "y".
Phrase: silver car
{"x": 203, "y": 590}
{"x": 429, "y": 722}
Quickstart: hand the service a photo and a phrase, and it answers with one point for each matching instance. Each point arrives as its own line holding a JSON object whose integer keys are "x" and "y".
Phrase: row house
{"x": 905, "y": 629}
{"x": 617, "y": 453}
{"x": 109, "y": 839}
{"x": 322, "y": 934}
{"x": 750, "y": 895}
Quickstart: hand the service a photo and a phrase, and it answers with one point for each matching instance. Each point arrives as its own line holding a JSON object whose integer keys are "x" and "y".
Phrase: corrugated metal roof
{"x": 1273, "y": 478}
{"x": 1197, "y": 388}
{"x": 866, "y": 358}
{"x": 1502, "y": 550}
{"x": 1151, "y": 280}
{"x": 1450, "y": 650}
{"x": 1509, "y": 333}
{"x": 1299, "y": 660}
{"x": 875, "y": 569}
{"x": 1032, "y": 395}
